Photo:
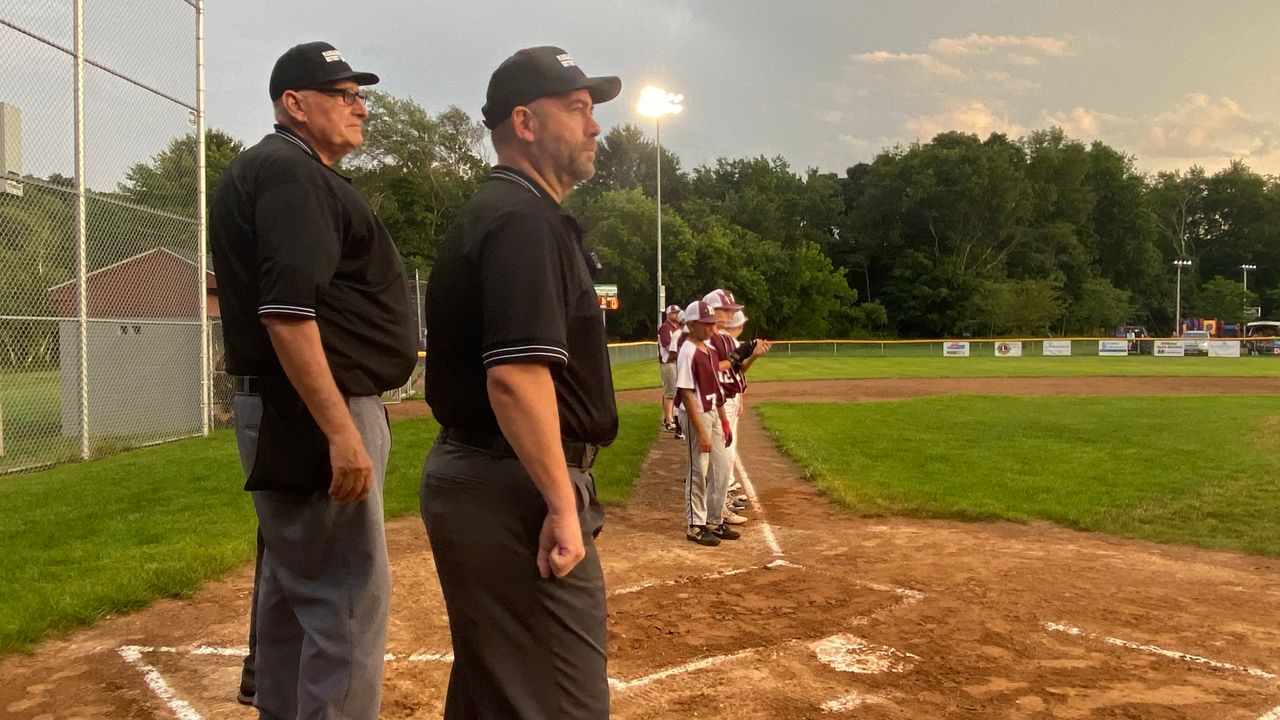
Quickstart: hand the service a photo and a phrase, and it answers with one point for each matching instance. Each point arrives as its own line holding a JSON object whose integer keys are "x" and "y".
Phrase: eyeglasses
{"x": 348, "y": 96}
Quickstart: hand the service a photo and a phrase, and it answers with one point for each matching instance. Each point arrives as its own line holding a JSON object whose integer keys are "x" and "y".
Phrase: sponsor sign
{"x": 1224, "y": 348}
{"x": 955, "y": 349}
{"x": 1113, "y": 348}
{"x": 1170, "y": 348}
{"x": 1057, "y": 348}
{"x": 1009, "y": 349}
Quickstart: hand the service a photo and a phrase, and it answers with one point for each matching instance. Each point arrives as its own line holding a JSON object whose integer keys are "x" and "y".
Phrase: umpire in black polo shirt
{"x": 518, "y": 376}
{"x": 317, "y": 321}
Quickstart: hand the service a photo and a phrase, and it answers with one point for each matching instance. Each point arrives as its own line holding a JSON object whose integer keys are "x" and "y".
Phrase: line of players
{"x": 704, "y": 378}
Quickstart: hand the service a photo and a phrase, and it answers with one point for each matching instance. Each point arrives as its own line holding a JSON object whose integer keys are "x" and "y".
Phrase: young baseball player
{"x": 668, "y": 334}
{"x": 741, "y": 358}
{"x": 682, "y": 335}
{"x": 724, "y": 305}
{"x": 700, "y": 405}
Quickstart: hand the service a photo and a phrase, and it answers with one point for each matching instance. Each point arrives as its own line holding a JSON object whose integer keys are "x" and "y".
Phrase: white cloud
{"x": 921, "y": 61}
{"x": 1198, "y": 129}
{"x": 1014, "y": 83}
{"x": 830, "y": 117}
{"x": 1023, "y": 45}
{"x": 971, "y": 116}
{"x": 857, "y": 145}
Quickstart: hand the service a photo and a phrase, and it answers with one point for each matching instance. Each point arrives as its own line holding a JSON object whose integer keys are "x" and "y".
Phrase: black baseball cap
{"x": 538, "y": 72}
{"x": 311, "y": 65}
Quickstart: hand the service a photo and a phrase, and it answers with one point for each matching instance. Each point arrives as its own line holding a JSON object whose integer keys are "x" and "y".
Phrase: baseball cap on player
{"x": 537, "y": 72}
{"x": 311, "y": 65}
{"x": 699, "y": 311}
{"x": 721, "y": 300}
{"x": 673, "y": 309}
{"x": 738, "y": 320}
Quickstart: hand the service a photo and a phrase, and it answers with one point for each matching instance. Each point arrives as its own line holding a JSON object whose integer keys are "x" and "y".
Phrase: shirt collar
{"x": 296, "y": 139}
{"x": 507, "y": 173}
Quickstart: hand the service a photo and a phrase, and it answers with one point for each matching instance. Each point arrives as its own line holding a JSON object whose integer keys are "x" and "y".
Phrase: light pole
{"x": 655, "y": 102}
{"x": 1177, "y": 303}
{"x": 1245, "y": 270}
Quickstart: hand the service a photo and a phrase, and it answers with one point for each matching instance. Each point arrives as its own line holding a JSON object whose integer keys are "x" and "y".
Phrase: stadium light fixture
{"x": 1245, "y": 270}
{"x": 655, "y": 102}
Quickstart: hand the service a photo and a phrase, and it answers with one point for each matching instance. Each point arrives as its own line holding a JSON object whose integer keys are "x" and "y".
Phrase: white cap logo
{"x": 566, "y": 60}
{"x": 332, "y": 56}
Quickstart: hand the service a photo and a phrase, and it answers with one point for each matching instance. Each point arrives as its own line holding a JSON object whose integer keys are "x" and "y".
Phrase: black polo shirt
{"x": 512, "y": 284}
{"x": 290, "y": 236}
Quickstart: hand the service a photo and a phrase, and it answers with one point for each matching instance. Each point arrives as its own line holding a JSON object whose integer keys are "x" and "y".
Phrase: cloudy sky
{"x": 824, "y": 84}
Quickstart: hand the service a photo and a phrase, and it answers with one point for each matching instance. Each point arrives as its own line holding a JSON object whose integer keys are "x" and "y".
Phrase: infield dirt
{"x": 880, "y": 618}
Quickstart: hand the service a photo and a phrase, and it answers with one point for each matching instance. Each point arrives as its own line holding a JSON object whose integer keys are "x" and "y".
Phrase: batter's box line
{"x": 1172, "y": 654}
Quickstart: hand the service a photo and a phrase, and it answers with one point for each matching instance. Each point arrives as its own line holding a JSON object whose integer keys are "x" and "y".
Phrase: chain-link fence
{"x": 105, "y": 292}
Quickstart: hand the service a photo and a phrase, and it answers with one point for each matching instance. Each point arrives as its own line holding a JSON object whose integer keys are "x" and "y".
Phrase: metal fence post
{"x": 202, "y": 240}
{"x": 82, "y": 292}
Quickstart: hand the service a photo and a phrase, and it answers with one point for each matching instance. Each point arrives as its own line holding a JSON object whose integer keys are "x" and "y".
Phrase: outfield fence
{"x": 105, "y": 290}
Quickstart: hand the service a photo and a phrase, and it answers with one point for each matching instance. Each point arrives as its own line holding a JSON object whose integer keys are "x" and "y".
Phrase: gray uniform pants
{"x": 707, "y": 481}
{"x": 324, "y": 589}
{"x": 525, "y": 648}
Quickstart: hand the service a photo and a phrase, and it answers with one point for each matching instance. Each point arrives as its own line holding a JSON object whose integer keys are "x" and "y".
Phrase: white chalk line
{"x": 182, "y": 709}
{"x": 770, "y": 538}
{"x": 242, "y": 652}
{"x": 709, "y": 576}
{"x": 688, "y": 667}
{"x": 1153, "y": 650}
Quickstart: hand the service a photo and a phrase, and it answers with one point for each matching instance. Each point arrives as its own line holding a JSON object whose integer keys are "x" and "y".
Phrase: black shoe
{"x": 245, "y": 698}
{"x": 668, "y": 426}
{"x": 724, "y": 532}
{"x": 702, "y": 536}
{"x": 679, "y": 435}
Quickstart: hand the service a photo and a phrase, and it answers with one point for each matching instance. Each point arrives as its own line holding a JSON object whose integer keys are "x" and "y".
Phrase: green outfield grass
{"x": 85, "y": 540}
{"x": 1196, "y": 470}
{"x": 632, "y": 376}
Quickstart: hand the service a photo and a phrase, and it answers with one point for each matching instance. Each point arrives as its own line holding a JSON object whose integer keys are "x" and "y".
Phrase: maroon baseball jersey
{"x": 666, "y": 338}
{"x": 696, "y": 371}
{"x": 724, "y": 344}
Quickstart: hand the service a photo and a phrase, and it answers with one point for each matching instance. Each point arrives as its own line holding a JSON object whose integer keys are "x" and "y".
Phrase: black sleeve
{"x": 298, "y": 223}
{"x": 522, "y": 301}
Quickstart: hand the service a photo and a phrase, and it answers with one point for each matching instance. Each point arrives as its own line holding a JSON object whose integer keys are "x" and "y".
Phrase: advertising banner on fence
{"x": 1009, "y": 349}
{"x": 1224, "y": 348}
{"x": 1057, "y": 348}
{"x": 1170, "y": 348}
{"x": 1113, "y": 348}
{"x": 956, "y": 349}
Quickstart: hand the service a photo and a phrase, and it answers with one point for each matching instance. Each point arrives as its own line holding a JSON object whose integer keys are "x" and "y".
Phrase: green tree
{"x": 1224, "y": 300}
{"x": 168, "y": 182}
{"x": 1099, "y": 307}
{"x": 418, "y": 171}
{"x": 1019, "y": 307}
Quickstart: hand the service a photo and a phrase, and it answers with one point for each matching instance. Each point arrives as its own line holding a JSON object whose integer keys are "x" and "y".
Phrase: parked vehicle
{"x": 1195, "y": 342}
{"x": 1134, "y": 333}
{"x": 1262, "y": 338}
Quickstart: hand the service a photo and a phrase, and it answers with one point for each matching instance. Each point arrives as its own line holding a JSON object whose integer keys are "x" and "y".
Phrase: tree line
{"x": 1039, "y": 235}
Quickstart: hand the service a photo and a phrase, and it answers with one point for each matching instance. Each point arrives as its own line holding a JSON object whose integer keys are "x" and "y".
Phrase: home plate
{"x": 852, "y": 654}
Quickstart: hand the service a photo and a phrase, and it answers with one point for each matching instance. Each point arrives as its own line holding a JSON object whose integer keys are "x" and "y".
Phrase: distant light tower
{"x": 1245, "y": 270}
{"x": 656, "y": 102}
{"x": 1177, "y": 303}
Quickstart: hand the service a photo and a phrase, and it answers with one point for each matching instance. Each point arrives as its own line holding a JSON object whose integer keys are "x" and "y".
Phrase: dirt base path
{"x": 813, "y": 614}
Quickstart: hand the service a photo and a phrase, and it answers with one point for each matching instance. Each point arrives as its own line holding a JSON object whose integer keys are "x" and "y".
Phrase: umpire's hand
{"x": 560, "y": 544}
{"x": 352, "y": 468}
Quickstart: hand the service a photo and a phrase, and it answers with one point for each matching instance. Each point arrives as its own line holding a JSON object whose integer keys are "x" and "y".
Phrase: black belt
{"x": 576, "y": 454}
{"x": 246, "y": 384}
